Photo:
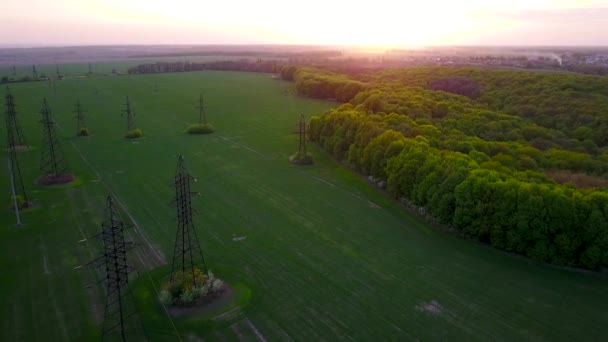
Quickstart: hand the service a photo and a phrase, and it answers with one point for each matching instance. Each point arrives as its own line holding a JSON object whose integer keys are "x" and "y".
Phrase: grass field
{"x": 314, "y": 252}
{"x": 49, "y": 69}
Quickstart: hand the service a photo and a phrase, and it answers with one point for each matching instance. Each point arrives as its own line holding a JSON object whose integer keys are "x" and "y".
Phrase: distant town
{"x": 581, "y": 60}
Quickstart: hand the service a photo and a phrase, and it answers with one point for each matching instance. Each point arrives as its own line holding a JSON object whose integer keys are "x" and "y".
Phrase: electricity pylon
{"x": 52, "y": 162}
{"x": 119, "y": 307}
{"x": 187, "y": 253}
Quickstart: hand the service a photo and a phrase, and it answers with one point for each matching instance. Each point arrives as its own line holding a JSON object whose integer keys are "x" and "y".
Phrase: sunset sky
{"x": 345, "y": 22}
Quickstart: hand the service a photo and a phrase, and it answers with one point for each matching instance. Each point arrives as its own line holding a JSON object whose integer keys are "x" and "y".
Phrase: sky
{"x": 391, "y": 23}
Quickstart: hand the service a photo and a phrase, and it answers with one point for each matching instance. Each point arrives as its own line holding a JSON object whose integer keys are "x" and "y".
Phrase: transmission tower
{"x": 17, "y": 178}
{"x": 34, "y": 72}
{"x": 187, "y": 253}
{"x": 80, "y": 124}
{"x": 302, "y": 149}
{"x": 202, "y": 116}
{"x": 13, "y": 130}
{"x": 14, "y": 71}
{"x": 90, "y": 69}
{"x": 52, "y": 162}
{"x": 119, "y": 307}
{"x": 58, "y": 73}
{"x": 15, "y": 138}
{"x": 130, "y": 113}
{"x": 290, "y": 95}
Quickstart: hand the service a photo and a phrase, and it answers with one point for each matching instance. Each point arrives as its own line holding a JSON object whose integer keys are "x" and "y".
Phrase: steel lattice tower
{"x": 14, "y": 135}
{"x": 202, "y": 116}
{"x": 13, "y": 130}
{"x": 114, "y": 260}
{"x": 80, "y": 124}
{"x": 302, "y": 149}
{"x": 187, "y": 253}
{"x": 52, "y": 162}
{"x": 17, "y": 177}
{"x": 130, "y": 113}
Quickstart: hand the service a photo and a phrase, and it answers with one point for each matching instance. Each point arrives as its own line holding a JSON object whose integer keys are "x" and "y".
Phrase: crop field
{"x": 312, "y": 252}
{"x": 76, "y": 70}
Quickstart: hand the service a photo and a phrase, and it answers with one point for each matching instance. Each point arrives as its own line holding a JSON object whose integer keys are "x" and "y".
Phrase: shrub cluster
{"x": 134, "y": 134}
{"x": 182, "y": 290}
{"x": 200, "y": 129}
{"x": 21, "y": 203}
{"x": 301, "y": 158}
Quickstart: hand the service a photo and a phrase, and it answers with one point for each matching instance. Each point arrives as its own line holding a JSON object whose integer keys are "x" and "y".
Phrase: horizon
{"x": 435, "y": 23}
{"x": 346, "y": 46}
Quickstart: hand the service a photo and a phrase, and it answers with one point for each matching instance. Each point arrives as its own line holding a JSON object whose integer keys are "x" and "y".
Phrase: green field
{"x": 71, "y": 70}
{"x": 314, "y": 252}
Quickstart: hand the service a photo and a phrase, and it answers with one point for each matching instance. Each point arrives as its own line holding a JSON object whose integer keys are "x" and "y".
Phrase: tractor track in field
{"x": 156, "y": 253}
{"x": 232, "y": 141}
{"x": 241, "y": 145}
{"x": 93, "y": 274}
{"x": 371, "y": 204}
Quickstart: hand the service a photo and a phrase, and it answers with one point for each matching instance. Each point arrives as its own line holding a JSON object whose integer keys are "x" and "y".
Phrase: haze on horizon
{"x": 341, "y": 22}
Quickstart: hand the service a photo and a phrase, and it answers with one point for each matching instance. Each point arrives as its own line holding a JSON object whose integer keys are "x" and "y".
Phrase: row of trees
{"x": 519, "y": 211}
{"x": 260, "y": 65}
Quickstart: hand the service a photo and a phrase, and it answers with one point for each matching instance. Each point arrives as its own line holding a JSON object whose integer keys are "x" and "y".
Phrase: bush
{"x": 217, "y": 285}
{"x": 83, "y": 132}
{"x": 166, "y": 298}
{"x": 21, "y": 203}
{"x": 200, "y": 129}
{"x": 134, "y": 134}
{"x": 301, "y": 158}
{"x": 183, "y": 291}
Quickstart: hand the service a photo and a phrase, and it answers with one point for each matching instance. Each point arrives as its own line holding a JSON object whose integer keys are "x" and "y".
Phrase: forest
{"x": 514, "y": 159}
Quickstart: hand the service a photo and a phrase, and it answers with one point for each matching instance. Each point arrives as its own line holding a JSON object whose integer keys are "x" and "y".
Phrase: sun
{"x": 381, "y": 23}
{"x": 402, "y": 25}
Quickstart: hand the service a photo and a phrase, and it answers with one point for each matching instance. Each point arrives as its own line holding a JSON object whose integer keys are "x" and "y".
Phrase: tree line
{"x": 322, "y": 84}
{"x": 260, "y": 65}
{"x": 517, "y": 210}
